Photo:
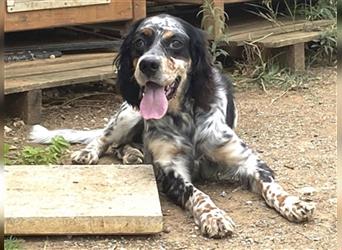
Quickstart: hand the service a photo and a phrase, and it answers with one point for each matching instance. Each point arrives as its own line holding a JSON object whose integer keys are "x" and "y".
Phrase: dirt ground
{"x": 296, "y": 136}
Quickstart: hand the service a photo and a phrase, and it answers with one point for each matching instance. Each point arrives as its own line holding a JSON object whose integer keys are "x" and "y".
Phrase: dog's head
{"x": 162, "y": 59}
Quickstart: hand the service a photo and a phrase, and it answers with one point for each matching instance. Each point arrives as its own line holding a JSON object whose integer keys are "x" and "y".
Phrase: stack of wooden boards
{"x": 27, "y": 79}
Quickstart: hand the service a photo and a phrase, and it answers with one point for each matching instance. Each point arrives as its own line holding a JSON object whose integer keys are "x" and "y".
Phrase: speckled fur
{"x": 195, "y": 142}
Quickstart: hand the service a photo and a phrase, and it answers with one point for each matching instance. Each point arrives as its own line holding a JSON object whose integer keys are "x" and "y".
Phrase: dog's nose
{"x": 149, "y": 66}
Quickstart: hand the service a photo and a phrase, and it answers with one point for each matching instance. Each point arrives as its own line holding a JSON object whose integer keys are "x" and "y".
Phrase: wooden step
{"x": 25, "y": 76}
{"x": 24, "y": 81}
{"x": 81, "y": 200}
{"x": 249, "y": 32}
{"x": 282, "y": 40}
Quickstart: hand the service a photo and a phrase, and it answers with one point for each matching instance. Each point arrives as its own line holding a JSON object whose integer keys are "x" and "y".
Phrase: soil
{"x": 295, "y": 135}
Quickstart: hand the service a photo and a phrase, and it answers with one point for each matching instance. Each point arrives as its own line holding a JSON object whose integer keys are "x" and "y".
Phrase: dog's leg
{"x": 120, "y": 130}
{"x": 172, "y": 160}
{"x": 240, "y": 163}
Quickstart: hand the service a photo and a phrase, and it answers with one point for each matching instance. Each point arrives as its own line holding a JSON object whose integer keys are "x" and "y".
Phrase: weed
{"x": 324, "y": 49}
{"x": 266, "y": 73}
{"x": 6, "y": 149}
{"x": 12, "y": 243}
{"x": 41, "y": 156}
{"x": 219, "y": 33}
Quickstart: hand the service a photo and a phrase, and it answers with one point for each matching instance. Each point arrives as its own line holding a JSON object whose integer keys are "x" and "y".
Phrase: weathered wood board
{"x": 27, "y": 20}
{"x": 40, "y": 74}
{"x": 29, "y": 5}
{"x": 81, "y": 200}
{"x": 282, "y": 40}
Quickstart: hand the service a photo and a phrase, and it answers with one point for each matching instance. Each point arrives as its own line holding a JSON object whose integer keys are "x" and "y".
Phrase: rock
{"x": 167, "y": 229}
{"x": 307, "y": 191}
{"x": 7, "y": 129}
{"x": 19, "y": 124}
{"x": 249, "y": 202}
{"x": 223, "y": 194}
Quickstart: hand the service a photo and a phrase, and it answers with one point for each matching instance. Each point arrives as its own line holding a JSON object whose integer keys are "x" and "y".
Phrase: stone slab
{"x": 81, "y": 200}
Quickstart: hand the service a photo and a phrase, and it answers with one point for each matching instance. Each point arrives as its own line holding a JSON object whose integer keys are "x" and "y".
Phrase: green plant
{"x": 268, "y": 72}
{"x": 44, "y": 156}
{"x": 324, "y": 49}
{"x": 12, "y": 243}
{"x": 219, "y": 33}
{"x": 321, "y": 9}
{"x": 6, "y": 149}
{"x": 266, "y": 10}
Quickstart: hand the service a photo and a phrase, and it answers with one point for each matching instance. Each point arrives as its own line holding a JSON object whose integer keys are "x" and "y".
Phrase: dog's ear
{"x": 128, "y": 86}
{"x": 201, "y": 85}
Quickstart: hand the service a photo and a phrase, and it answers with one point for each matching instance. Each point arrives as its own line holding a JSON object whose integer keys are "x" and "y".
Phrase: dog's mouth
{"x": 154, "y": 102}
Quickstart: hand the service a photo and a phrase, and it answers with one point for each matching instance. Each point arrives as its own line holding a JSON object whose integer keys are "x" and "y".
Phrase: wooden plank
{"x": 238, "y": 40}
{"x": 200, "y": 1}
{"x": 287, "y": 39}
{"x": 86, "y": 45}
{"x": 65, "y": 59}
{"x": 26, "y": 105}
{"x": 53, "y": 68}
{"x": 115, "y": 11}
{"x": 29, "y": 5}
{"x": 238, "y": 27}
{"x": 75, "y": 200}
{"x": 49, "y": 80}
{"x": 139, "y": 9}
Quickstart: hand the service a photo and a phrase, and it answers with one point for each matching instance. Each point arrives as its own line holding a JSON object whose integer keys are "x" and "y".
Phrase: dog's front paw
{"x": 296, "y": 210}
{"x": 128, "y": 154}
{"x": 133, "y": 156}
{"x": 85, "y": 157}
{"x": 216, "y": 224}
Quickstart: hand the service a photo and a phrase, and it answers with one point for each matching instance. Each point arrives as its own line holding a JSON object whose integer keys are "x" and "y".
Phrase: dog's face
{"x": 161, "y": 61}
{"x": 159, "y": 52}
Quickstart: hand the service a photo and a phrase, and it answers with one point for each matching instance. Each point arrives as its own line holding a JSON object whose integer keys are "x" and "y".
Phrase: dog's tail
{"x": 40, "y": 134}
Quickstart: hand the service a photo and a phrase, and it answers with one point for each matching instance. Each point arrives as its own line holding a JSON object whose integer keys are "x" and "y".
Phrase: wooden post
{"x": 26, "y": 105}
{"x": 296, "y": 57}
{"x": 139, "y": 9}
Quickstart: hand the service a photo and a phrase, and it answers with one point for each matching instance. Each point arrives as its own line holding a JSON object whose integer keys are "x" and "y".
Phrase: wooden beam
{"x": 115, "y": 11}
{"x": 81, "y": 200}
{"x": 29, "y": 5}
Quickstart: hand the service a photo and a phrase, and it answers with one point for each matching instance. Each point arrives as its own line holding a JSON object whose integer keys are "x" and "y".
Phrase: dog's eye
{"x": 176, "y": 44}
{"x": 139, "y": 43}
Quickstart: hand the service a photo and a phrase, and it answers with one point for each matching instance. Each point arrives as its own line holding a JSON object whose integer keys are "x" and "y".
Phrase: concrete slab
{"x": 81, "y": 200}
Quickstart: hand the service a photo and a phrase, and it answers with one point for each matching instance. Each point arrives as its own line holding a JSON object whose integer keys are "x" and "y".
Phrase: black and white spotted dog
{"x": 185, "y": 111}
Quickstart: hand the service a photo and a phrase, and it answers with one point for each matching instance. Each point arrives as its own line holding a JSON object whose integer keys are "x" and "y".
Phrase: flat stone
{"x": 81, "y": 200}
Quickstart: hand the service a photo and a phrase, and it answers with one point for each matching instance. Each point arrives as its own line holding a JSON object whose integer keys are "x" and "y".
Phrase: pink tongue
{"x": 154, "y": 102}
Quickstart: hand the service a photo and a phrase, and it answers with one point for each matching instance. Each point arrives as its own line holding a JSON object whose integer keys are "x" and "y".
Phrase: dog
{"x": 183, "y": 110}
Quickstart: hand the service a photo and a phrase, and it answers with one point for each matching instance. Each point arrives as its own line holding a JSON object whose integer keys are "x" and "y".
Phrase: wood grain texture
{"x": 72, "y": 69}
{"x": 73, "y": 200}
{"x": 286, "y": 39}
{"x": 117, "y": 10}
{"x": 49, "y": 80}
{"x": 29, "y": 5}
{"x": 261, "y": 30}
